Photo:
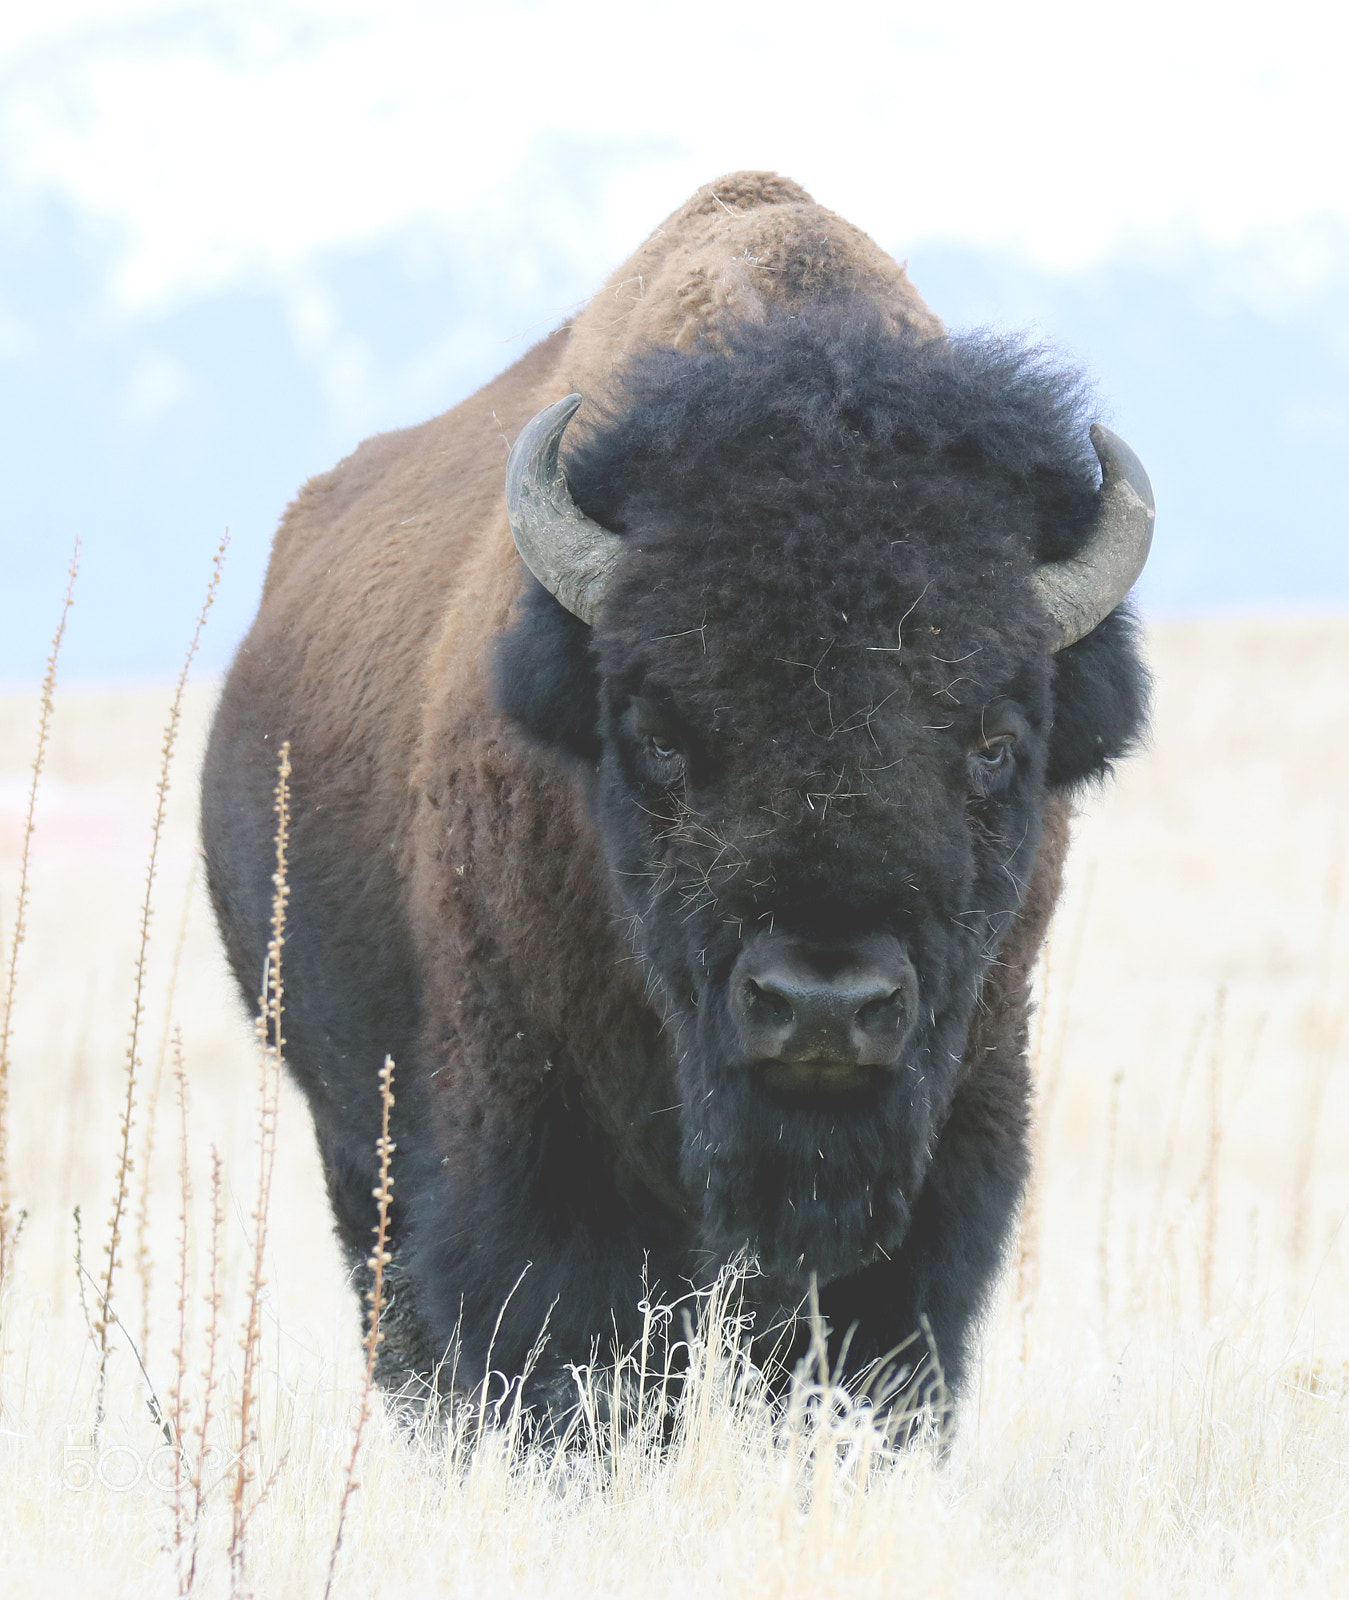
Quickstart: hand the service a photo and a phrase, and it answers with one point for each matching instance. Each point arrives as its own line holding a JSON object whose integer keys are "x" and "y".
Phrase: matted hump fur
{"x": 742, "y": 246}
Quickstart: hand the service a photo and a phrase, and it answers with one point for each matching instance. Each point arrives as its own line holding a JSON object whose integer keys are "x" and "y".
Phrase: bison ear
{"x": 1100, "y": 701}
{"x": 545, "y": 676}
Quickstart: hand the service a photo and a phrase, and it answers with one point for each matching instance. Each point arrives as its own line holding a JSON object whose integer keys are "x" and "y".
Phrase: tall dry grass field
{"x": 1163, "y": 1405}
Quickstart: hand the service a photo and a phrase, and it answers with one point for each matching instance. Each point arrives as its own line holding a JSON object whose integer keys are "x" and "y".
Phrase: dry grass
{"x": 1164, "y": 1398}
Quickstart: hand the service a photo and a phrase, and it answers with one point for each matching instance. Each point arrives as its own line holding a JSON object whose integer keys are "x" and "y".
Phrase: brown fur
{"x": 390, "y": 578}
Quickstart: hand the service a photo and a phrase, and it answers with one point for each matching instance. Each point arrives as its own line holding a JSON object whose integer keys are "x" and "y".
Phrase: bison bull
{"x": 692, "y": 868}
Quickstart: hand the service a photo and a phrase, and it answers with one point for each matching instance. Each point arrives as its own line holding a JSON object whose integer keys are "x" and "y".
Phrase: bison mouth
{"x": 822, "y": 1017}
{"x": 810, "y": 1103}
{"x": 815, "y": 1077}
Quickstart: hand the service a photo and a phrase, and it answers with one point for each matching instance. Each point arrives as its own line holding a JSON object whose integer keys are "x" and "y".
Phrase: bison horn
{"x": 574, "y": 558}
{"x": 1085, "y": 589}
{"x": 571, "y": 556}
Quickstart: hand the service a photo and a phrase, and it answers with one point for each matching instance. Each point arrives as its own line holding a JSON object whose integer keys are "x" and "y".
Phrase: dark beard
{"x": 809, "y": 1190}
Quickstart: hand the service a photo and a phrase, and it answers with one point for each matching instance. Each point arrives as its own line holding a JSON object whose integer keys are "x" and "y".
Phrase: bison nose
{"x": 837, "y": 1007}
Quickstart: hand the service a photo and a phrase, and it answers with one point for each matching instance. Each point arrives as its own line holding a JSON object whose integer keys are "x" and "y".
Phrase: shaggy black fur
{"x": 702, "y": 431}
{"x": 822, "y": 700}
{"x": 819, "y": 721}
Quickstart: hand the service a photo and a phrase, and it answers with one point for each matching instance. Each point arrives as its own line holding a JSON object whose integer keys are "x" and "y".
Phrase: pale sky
{"x": 234, "y": 238}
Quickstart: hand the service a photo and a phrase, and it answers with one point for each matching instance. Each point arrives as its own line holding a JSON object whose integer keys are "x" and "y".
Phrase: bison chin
{"x": 816, "y": 1182}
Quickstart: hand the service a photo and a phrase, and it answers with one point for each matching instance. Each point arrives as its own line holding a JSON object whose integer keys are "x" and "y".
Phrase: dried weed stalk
{"x": 271, "y": 1043}
{"x": 106, "y": 1313}
{"x": 187, "y": 1555}
{"x": 383, "y": 1195}
{"x": 178, "y": 1401}
{"x": 125, "y": 1161}
{"x": 7, "y": 1228}
{"x": 144, "y": 1260}
{"x": 80, "y": 1272}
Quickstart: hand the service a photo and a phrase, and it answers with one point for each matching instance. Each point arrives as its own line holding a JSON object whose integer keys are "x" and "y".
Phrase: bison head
{"x": 824, "y": 612}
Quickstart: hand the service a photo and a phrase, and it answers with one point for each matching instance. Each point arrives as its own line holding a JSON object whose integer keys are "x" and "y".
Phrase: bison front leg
{"x": 912, "y": 1318}
{"x": 531, "y": 1255}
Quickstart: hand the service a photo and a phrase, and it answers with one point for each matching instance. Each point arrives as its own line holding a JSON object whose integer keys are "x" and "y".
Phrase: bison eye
{"x": 659, "y": 747}
{"x": 994, "y": 754}
{"x": 664, "y": 759}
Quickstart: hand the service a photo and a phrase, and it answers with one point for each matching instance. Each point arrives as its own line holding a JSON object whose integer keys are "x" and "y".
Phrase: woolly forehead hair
{"x": 770, "y": 410}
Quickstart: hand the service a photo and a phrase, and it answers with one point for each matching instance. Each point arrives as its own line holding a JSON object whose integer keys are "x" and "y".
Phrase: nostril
{"x": 881, "y": 1015}
{"x": 767, "y": 1005}
{"x": 848, "y": 1005}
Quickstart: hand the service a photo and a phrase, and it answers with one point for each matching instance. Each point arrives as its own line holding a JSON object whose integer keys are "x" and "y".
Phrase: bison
{"x": 684, "y": 730}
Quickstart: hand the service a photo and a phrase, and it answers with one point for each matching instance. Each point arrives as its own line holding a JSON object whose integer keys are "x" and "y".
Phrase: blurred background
{"x": 236, "y": 239}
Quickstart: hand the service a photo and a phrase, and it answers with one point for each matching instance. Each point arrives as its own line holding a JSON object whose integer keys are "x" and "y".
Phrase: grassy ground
{"x": 1164, "y": 1399}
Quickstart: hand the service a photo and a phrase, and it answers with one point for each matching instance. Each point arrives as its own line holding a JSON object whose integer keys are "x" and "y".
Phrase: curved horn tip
{"x": 536, "y": 446}
{"x": 1119, "y": 460}
{"x": 1080, "y": 592}
{"x": 571, "y": 556}
{"x": 565, "y": 409}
